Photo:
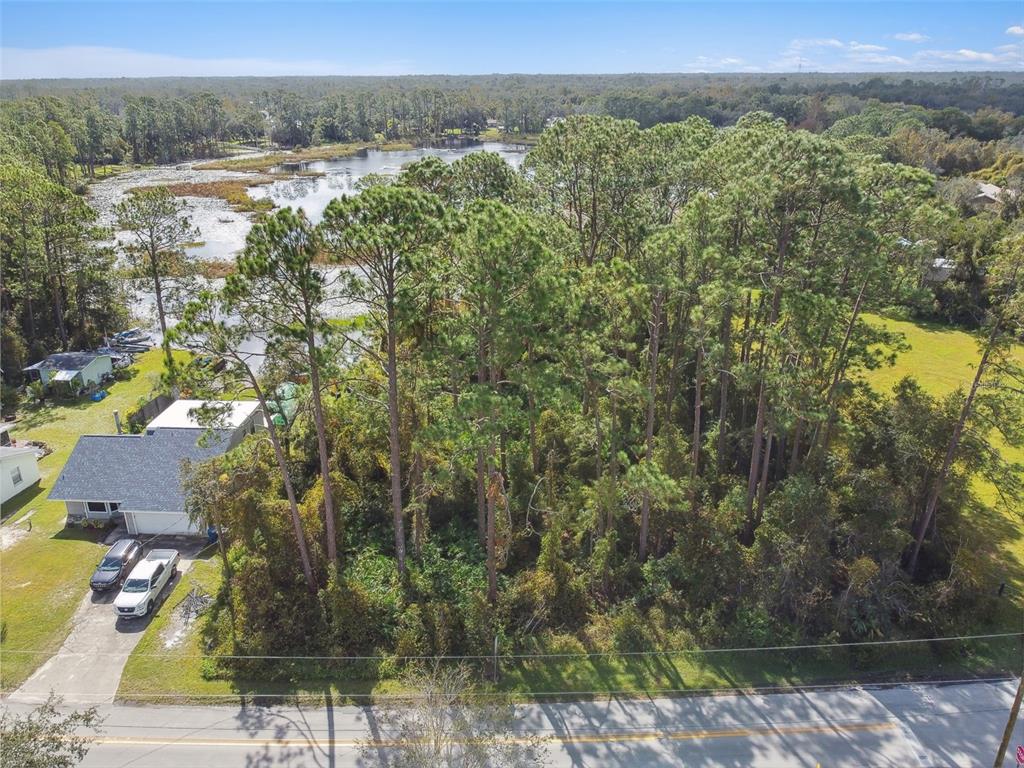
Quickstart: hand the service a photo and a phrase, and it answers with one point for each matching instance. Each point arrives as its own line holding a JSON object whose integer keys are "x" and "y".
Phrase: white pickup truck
{"x": 143, "y": 586}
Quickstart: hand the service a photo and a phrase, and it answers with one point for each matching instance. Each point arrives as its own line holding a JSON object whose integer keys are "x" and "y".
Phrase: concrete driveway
{"x": 87, "y": 669}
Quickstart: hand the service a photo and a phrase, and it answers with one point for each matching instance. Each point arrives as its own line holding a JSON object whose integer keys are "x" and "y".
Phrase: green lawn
{"x": 940, "y": 358}
{"x": 157, "y": 667}
{"x": 44, "y": 575}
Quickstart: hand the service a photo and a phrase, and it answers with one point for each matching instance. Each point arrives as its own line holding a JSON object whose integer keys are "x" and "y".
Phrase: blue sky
{"x": 133, "y": 39}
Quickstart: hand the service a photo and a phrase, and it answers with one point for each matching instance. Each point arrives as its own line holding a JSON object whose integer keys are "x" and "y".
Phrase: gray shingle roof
{"x": 66, "y": 361}
{"x": 140, "y": 472}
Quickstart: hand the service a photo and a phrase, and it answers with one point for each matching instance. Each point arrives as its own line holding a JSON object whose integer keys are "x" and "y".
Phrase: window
{"x": 112, "y": 506}
{"x": 96, "y": 506}
{"x": 16, "y": 475}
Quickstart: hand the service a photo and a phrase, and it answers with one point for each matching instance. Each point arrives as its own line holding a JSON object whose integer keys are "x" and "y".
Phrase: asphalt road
{"x": 921, "y": 725}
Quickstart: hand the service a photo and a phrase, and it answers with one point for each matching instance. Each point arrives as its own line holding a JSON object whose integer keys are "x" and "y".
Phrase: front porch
{"x": 88, "y": 513}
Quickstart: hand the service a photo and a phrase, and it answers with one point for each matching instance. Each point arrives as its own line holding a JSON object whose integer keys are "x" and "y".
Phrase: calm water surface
{"x": 222, "y": 232}
{"x": 313, "y": 193}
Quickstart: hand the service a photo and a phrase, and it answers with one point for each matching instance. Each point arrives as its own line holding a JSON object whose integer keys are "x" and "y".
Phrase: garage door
{"x": 154, "y": 523}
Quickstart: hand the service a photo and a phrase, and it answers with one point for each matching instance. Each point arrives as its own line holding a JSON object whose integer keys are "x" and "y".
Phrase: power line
{"x": 619, "y": 728}
{"x": 576, "y": 655}
{"x": 689, "y": 692}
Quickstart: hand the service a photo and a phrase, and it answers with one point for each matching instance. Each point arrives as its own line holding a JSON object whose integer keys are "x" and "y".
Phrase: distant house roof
{"x": 989, "y": 190}
{"x": 940, "y": 270}
{"x": 181, "y": 414}
{"x": 65, "y": 361}
{"x": 140, "y": 472}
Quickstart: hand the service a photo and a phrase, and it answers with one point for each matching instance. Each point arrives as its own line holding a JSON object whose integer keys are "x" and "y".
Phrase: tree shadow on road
{"x": 317, "y": 746}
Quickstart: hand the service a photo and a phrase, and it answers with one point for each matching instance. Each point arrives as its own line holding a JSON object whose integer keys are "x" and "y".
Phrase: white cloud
{"x": 834, "y": 55}
{"x": 1012, "y": 55}
{"x": 711, "y": 64}
{"x": 1016, "y": 29}
{"x": 866, "y": 47}
{"x": 807, "y": 43}
{"x": 878, "y": 58}
{"x": 963, "y": 54}
{"x": 97, "y": 61}
{"x": 910, "y": 37}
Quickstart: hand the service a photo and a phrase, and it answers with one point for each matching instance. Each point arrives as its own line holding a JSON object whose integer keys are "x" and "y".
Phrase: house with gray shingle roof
{"x": 71, "y": 369}
{"x": 139, "y": 477}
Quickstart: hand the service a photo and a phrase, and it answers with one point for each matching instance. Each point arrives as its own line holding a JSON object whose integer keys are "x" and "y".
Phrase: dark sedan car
{"x": 116, "y": 565}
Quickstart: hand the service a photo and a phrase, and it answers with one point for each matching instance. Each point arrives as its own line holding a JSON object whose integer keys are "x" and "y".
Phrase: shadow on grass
{"x": 268, "y": 685}
{"x": 208, "y": 552}
{"x": 927, "y": 325}
{"x": 16, "y": 504}
{"x": 49, "y": 413}
{"x": 77, "y": 533}
{"x": 55, "y": 409}
{"x": 1003, "y": 535}
{"x": 599, "y": 678}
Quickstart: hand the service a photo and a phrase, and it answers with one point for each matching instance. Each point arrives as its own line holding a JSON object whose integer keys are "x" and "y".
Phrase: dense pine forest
{"x": 615, "y": 401}
{"x": 169, "y": 119}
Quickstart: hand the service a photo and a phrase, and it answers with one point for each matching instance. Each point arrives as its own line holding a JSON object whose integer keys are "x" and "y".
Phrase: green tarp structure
{"x": 285, "y": 403}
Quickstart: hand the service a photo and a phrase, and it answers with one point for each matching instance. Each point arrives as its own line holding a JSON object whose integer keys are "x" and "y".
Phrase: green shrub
{"x": 10, "y": 398}
{"x": 412, "y": 638}
{"x": 631, "y": 631}
{"x": 525, "y": 605}
{"x": 753, "y": 626}
{"x": 363, "y": 606}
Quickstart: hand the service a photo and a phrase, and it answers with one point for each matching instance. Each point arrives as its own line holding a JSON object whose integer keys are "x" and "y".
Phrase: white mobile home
{"x": 18, "y": 470}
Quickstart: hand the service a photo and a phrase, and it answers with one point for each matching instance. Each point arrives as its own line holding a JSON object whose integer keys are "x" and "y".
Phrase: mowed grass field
{"x": 940, "y": 358}
{"x": 44, "y": 572}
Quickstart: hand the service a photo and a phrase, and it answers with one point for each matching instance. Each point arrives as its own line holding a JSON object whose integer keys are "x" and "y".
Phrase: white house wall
{"x": 93, "y": 372}
{"x": 26, "y": 462}
{"x": 250, "y": 426}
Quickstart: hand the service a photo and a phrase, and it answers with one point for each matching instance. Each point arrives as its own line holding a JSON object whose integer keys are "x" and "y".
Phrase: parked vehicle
{"x": 132, "y": 336}
{"x": 116, "y": 565}
{"x": 144, "y": 584}
{"x": 214, "y": 364}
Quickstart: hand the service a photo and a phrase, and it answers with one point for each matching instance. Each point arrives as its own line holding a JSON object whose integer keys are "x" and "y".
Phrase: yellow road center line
{"x": 596, "y": 738}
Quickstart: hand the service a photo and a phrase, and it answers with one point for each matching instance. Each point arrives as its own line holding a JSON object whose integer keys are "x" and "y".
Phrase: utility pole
{"x": 1014, "y": 712}
{"x": 1015, "y": 709}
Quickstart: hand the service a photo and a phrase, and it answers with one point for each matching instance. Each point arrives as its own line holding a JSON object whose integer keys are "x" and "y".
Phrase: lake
{"x": 340, "y": 176}
{"x": 222, "y": 231}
